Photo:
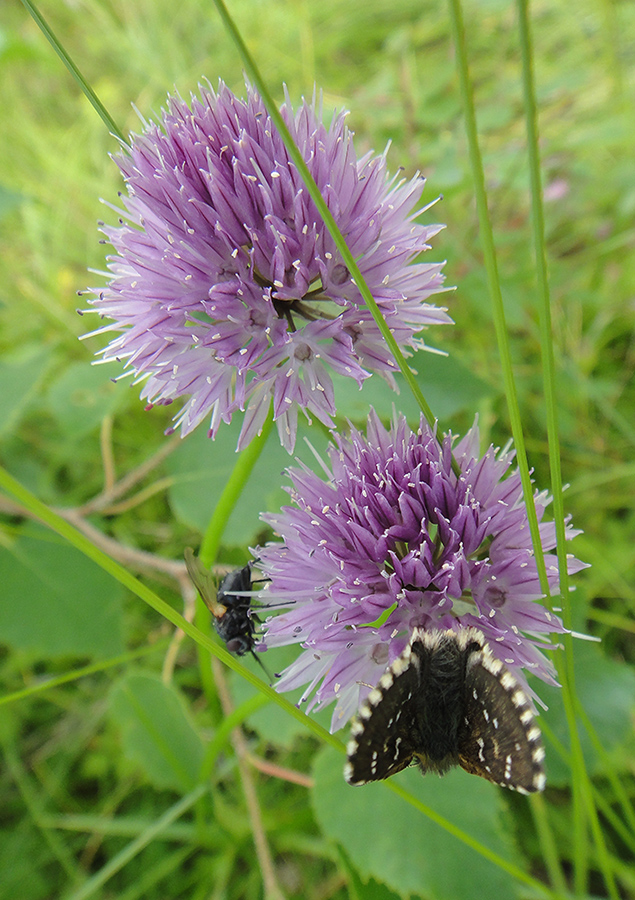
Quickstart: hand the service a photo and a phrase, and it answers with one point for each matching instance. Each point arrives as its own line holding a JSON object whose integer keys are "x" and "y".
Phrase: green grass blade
{"x": 75, "y": 674}
{"x": 583, "y": 795}
{"x": 493, "y": 281}
{"x": 87, "y": 90}
{"x": 255, "y": 76}
{"x": 135, "y": 847}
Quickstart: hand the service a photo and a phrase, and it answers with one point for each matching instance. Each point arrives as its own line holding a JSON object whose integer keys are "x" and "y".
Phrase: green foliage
{"x": 56, "y": 602}
{"x": 156, "y": 731}
{"x": 99, "y": 776}
{"x": 605, "y": 689}
{"x": 393, "y": 843}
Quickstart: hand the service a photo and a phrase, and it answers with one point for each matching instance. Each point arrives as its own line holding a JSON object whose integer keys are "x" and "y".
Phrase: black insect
{"x": 228, "y": 603}
{"x": 447, "y": 701}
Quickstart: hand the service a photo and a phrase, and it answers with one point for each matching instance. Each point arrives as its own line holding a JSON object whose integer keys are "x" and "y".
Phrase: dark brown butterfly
{"x": 448, "y": 701}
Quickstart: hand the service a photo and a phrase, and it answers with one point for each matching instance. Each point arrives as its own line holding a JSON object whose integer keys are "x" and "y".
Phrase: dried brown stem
{"x": 290, "y": 775}
{"x": 112, "y": 492}
{"x": 273, "y": 890}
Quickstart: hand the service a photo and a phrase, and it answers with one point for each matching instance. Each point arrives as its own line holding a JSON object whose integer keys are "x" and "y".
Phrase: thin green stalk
{"x": 627, "y": 836}
{"x": 607, "y": 763}
{"x": 544, "y": 309}
{"x": 127, "y": 826}
{"x": 547, "y": 843}
{"x": 75, "y": 674}
{"x": 243, "y": 468}
{"x": 87, "y": 90}
{"x": 255, "y": 76}
{"x": 510, "y": 387}
{"x": 491, "y": 268}
{"x": 236, "y": 482}
{"x": 582, "y": 793}
{"x": 114, "y": 865}
{"x": 605, "y": 863}
{"x": 235, "y": 718}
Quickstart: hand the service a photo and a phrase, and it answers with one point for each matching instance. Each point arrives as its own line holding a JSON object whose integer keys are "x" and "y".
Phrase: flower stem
{"x": 212, "y": 538}
{"x": 245, "y": 463}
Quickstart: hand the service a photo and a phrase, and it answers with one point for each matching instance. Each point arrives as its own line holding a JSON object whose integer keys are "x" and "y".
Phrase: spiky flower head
{"x": 226, "y": 286}
{"x": 394, "y": 529}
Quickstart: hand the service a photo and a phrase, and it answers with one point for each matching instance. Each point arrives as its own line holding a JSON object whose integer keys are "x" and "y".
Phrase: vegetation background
{"x": 125, "y": 782}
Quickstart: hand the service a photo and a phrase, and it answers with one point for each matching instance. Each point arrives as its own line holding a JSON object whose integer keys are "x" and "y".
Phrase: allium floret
{"x": 226, "y": 286}
{"x": 395, "y": 529}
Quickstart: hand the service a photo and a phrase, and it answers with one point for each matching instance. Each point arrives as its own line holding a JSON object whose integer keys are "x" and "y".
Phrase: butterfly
{"x": 447, "y": 701}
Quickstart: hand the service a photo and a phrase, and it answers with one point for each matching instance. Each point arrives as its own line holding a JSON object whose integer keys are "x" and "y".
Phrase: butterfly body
{"x": 448, "y": 701}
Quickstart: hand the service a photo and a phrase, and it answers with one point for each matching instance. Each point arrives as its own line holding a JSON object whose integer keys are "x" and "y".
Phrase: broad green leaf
{"x": 387, "y": 839}
{"x": 446, "y": 384}
{"x": 200, "y": 468}
{"x": 158, "y": 733}
{"x": 363, "y": 890}
{"x": 606, "y": 690}
{"x": 56, "y": 602}
{"x": 20, "y": 375}
{"x": 82, "y": 395}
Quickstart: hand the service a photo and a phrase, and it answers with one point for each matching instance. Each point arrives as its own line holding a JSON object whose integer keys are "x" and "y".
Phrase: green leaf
{"x": 56, "y": 602}
{"x": 20, "y": 375}
{"x": 359, "y": 890}
{"x": 200, "y": 468}
{"x": 606, "y": 689}
{"x": 83, "y": 395}
{"x": 445, "y": 383}
{"x": 389, "y": 840}
{"x": 272, "y": 722}
{"x": 158, "y": 733}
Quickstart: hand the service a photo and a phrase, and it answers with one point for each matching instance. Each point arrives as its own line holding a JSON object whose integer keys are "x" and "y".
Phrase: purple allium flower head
{"x": 226, "y": 286}
{"x": 395, "y": 529}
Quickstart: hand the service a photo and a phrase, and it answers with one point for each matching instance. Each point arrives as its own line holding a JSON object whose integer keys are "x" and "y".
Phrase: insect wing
{"x": 204, "y": 583}
{"x": 498, "y": 738}
{"x": 383, "y": 741}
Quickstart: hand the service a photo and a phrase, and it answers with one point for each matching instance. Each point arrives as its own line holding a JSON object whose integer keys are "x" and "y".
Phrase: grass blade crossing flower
{"x": 226, "y": 287}
{"x": 394, "y": 541}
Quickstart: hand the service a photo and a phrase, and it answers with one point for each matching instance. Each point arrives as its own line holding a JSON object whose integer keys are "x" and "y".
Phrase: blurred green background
{"x": 85, "y": 771}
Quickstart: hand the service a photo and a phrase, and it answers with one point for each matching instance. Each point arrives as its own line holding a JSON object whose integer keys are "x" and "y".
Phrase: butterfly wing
{"x": 498, "y": 737}
{"x": 383, "y": 739}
